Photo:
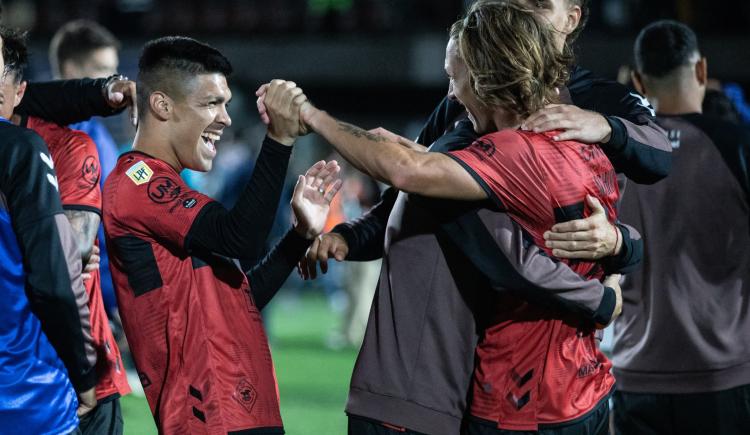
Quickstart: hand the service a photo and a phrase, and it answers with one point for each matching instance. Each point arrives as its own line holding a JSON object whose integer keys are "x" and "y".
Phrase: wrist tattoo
{"x": 359, "y": 133}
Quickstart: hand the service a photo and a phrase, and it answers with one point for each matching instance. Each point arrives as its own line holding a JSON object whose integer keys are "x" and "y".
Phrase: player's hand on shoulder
{"x": 324, "y": 247}
{"x": 585, "y": 239}
{"x": 577, "y": 124}
{"x": 312, "y": 197}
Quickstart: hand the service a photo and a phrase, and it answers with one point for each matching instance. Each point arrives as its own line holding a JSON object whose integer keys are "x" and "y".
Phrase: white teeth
{"x": 211, "y": 136}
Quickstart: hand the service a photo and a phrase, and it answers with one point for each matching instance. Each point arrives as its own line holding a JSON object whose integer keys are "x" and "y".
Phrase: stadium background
{"x": 371, "y": 62}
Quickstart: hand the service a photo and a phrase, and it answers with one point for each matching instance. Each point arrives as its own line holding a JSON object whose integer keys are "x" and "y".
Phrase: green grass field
{"x": 313, "y": 380}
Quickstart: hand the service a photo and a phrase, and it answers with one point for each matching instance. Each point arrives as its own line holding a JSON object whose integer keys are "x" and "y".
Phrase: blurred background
{"x": 370, "y": 62}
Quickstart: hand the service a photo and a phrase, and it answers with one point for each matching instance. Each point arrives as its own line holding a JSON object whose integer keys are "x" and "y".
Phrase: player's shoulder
{"x": 138, "y": 177}
{"x": 507, "y": 138}
{"x": 722, "y": 132}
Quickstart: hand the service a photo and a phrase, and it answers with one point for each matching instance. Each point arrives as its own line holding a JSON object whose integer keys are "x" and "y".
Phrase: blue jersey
{"x": 43, "y": 327}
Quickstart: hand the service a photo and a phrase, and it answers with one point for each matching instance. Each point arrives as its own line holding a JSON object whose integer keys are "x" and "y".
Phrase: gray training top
{"x": 685, "y": 325}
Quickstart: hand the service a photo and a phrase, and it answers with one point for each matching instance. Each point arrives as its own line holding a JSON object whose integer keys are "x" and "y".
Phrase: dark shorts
{"x": 104, "y": 419}
{"x": 595, "y": 422}
{"x": 723, "y": 412}
{"x": 364, "y": 426}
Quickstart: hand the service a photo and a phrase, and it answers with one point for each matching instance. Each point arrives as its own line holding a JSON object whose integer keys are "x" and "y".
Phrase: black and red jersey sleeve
{"x": 155, "y": 202}
{"x": 504, "y": 164}
{"x": 76, "y": 163}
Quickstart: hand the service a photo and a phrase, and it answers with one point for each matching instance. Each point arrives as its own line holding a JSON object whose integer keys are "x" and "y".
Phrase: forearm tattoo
{"x": 85, "y": 226}
{"x": 359, "y": 133}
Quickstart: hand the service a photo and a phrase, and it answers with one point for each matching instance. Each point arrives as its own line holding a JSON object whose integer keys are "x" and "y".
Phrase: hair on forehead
{"x": 15, "y": 52}
{"x": 171, "y": 63}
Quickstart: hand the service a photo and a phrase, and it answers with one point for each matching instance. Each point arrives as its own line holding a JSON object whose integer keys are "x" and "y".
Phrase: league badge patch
{"x": 140, "y": 173}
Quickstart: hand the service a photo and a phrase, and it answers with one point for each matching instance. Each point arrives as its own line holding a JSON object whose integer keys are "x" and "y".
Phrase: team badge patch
{"x": 140, "y": 173}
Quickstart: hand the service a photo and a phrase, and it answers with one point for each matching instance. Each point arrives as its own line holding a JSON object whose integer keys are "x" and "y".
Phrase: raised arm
{"x": 69, "y": 101}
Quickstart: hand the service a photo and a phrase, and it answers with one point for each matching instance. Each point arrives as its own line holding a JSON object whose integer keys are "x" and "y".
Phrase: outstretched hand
{"x": 312, "y": 197}
{"x": 577, "y": 124}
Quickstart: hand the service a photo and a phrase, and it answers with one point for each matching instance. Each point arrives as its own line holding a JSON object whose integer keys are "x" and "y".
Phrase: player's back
{"x": 695, "y": 282}
{"x": 537, "y": 363}
{"x": 194, "y": 330}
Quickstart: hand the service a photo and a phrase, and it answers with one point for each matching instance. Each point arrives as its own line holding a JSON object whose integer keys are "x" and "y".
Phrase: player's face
{"x": 199, "y": 120}
{"x": 562, "y": 15}
{"x": 102, "y": 62}
{"x": 11, "y": 94}
{"x": 460, "y": 88}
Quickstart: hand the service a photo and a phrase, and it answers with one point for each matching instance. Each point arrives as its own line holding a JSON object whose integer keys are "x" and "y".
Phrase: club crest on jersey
{"x": 245, "y": 394}
{"x": 140, "y": 173}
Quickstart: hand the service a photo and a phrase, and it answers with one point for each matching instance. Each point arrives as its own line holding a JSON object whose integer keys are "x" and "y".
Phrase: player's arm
{"x": 51, "y": 262}
{"x": 85, "y": 225}
{"x": 429, "y": 174}
{"x": 311, "y": 202}
{"x": 621, "y": 121}
{"x": 495, "y": 245}
{"x": 69, "y": 101}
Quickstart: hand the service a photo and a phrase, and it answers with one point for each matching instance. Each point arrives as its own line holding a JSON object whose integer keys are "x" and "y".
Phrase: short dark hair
{"x": 663, "y": 46}
{"x": 77, "y": 39}
{"x": 167, "y": 64}
{"x": 15, "y": 52}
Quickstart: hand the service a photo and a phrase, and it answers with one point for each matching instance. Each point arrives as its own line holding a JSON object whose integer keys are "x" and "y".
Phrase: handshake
{"x": 284, "y": 108}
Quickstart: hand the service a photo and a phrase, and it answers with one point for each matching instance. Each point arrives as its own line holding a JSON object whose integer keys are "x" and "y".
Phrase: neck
{"x": 675, "y": 102}
{"x": 156, "y": 144}
{"x": 504, "y": 119}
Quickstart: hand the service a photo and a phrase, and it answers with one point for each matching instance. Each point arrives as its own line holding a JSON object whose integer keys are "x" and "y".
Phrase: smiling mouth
{"x": 210, "y": 139}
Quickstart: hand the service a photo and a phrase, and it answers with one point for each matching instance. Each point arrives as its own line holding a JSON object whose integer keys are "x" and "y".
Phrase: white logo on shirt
{"x": 643, "y": 102}
{"x": 51, "y": 178}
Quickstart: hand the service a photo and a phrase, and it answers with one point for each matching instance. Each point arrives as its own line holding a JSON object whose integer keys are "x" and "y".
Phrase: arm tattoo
{"x": 359, "y": 133}
{"x": 85, "y": 225}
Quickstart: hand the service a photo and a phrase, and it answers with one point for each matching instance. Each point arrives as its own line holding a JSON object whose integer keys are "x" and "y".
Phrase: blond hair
{"x": 511, "y": 56}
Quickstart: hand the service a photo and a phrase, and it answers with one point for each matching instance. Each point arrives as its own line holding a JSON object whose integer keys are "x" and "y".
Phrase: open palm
{"x": 312, "y": 197}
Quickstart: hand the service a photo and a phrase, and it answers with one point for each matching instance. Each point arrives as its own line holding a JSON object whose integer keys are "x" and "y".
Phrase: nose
{"x": 451, "y": 94}
{"x": 222, "y": 117}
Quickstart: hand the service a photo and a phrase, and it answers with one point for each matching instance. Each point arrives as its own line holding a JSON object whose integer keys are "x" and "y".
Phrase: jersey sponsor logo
{"x": 140, "y": 173}
{"x": 589, "y": 369}
{"x": 163, "y": 190}
{"x": 643, "y": 102}
{"x": 246, "y": 395}
{"x": 90, "y": 172}
{"x": 189, "y": 203}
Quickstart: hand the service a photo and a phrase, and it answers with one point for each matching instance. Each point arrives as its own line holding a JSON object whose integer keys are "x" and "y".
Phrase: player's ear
{"x": 638, "y": 83}
{"x": 20, "y": 93}
{"x": 573, "y": 18}
{"x": 701, "y": 71}
{"x": 161, "y": 105}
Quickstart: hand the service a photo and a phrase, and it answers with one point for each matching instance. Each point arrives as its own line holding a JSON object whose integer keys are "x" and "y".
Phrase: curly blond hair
{"x": 511, "y": 56}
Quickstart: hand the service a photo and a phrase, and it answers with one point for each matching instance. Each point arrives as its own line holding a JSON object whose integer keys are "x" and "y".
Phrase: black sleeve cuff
{"x": 294, "y": 245}
{"x": 603, "y": 314}
{"x": 630, "y": 256}
{"x": 619, "y": 137}
{"x": 85, "y": 381}
{"x": 276, "y": 147}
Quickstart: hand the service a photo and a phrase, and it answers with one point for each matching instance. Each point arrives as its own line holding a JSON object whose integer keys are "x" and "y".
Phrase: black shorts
{"x": 365, "y": 426}
{"x": 722, "y": 412}
{"x": 596, "y": 422}
{"x": 104, "y": 419}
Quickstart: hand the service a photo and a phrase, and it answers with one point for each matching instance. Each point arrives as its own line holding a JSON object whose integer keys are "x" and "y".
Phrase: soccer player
{"x": 79, "y": 49}
{"x": 46, "y": 347}
{"x": 532, "y": 359}
{"x": 682, "y": 349}
{"x": 191, "y": 315}
{"x": 78, "y": 172}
